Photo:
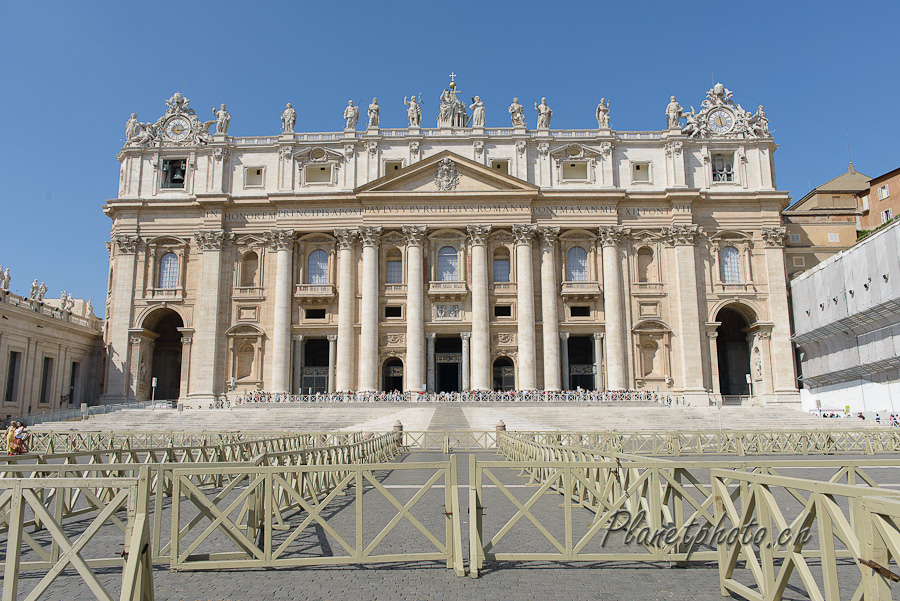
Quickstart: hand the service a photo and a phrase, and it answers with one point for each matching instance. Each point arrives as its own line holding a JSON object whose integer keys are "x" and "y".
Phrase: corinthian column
{"x": 415, "y": 308}
{"x": 550, "y": 307}
{"x": 368, "y": 336}
{"x": 124, "y": 254}
{"x": 525, "y": 300}
{"x": 282, "y": 242}
{"x": 346, "y": 309}
{"x": 614, "y": 307}
{"x": 481, "y": 327}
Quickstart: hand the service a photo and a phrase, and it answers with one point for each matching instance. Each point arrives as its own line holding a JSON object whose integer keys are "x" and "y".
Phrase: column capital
{"x": 682, "y": 235}
{"x": 415, "y": 234}
{"x": 465, "y": 335}
{"x": 298, "y": 337}
{"x": 478, "y": 234}
{"x": 564, "y": 335}
{"x": 345, "y": 238}
{"x": 598, "y": 335}
{"x": 279, "y": 239}
{"x": 332, "y": 337}
{"x": 548, "y": 234}
{"x": 774, "y": 236}
{"x": 613, "y": 235}
{"x": 125, "y": 244}
{"x": 430, "y": 335}
{"x": 370, "y": 235}
{"x": 213, "y": 240}
{"x": 524, "y": 232}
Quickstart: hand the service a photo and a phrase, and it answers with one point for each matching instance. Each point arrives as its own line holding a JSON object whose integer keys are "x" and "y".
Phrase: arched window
{"x": 501, "y": 265}
{"x": 577, "y": 264}
{"x": 731, "y": 265}
{"x": 448, "y": 264}
{"x": 318, "y": 268}
{"x": 249, "y": 269}
{"x": 394, "y": 273}
{"x": 168, "y": 271}
{"x": 644, "y": 261}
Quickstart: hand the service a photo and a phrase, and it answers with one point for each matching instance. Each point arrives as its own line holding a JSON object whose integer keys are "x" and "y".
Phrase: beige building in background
{"x": 450, "y": 258}
{"x": 879, "y": 201}
{"x": 823, "y": 222}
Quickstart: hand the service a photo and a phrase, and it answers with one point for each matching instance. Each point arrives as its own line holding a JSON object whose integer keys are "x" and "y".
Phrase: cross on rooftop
{"x": 452, "y": 75}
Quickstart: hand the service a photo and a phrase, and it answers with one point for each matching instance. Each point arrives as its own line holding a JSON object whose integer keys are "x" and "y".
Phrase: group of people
{"x": 893, "y": 419}
{"x": 476, "y": 396}
{"x": 15, "y": 439}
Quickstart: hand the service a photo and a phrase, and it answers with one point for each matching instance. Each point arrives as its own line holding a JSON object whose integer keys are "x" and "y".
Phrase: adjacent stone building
{"x": 879, "y": 201}
{"x": 847, "y": 327}
{"x": 50, "y": 353}
{"x": 450, "y": 258}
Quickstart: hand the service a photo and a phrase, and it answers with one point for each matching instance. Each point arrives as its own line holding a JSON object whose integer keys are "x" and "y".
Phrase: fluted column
{"x": 346, "y": 355}
{"x": 550, "y": 307}
{"x": 481, "y": 326}
{"x": 282, "y": 242}
{"x": 525, "y": 300}
{"x": 465, "y": 359}
{"x": 429, "y": 337}
{"x": 415, "y": 308}
{"x": 614, "y": 307}
{"x": 368, "y": 334}
{"x": 332, "y": 356}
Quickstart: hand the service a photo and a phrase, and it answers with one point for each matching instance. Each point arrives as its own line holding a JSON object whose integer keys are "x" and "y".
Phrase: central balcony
{"x": 580, "y": 290}
{"x": 314, "y": 294}
{"x": 447, "y": 290}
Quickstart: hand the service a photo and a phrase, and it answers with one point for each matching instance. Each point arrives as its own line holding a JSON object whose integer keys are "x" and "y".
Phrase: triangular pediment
{"x": 447, "y": 173}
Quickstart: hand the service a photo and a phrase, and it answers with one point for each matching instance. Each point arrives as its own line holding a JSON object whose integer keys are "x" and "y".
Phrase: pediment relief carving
{"x": 651, "y": 325}
{"x": 574, "y": 151}
{"x": 318, "y": 154}
{"x": 577, "y": 235}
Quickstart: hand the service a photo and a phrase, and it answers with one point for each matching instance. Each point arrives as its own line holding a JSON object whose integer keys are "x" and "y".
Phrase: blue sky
{"x": 72, "y": 73}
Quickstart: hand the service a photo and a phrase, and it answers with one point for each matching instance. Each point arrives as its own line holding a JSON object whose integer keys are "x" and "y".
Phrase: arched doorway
{"x": 166, "y": 358}
{"x": 504, "y": 374}
{"x": 733, "y": 354}
{"x": 392, "y": 375}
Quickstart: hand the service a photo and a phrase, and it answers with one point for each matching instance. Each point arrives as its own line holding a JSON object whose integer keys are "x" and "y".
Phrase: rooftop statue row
{"x": 719, "y": 117}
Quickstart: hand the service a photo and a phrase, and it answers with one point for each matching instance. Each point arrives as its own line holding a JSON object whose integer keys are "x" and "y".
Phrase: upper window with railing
{"x": 168, "y": 271}
{"x": 576, "y": 264}
{"x": 731, "y": 265}
{"x": 317, "y": 272}
{"x": 448, "y": 264}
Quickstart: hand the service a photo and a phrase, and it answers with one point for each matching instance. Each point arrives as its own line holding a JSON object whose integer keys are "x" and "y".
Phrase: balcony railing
{"x": 314, "y": 293}
{"x": 742, "y": 288}
{"x": 447, "y": 290}
{"x": 248, "y": 291}
{"x": 165, "y": 294}
{"x": 648, "y": 287}
{"x": 504, "y": 287}
{"x": 581, "y": 289}
{"x": 395, "y": 289}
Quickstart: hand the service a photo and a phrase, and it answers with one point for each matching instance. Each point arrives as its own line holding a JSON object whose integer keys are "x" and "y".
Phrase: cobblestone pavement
{"x": 432, "y": 580}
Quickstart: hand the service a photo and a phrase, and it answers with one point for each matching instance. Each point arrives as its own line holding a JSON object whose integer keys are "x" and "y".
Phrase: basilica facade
{"x": 460, "y": 257}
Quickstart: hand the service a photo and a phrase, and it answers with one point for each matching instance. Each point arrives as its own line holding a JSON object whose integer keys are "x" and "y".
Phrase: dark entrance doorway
{"x": 392, "y": 375}
{"x": 166, "y": 366}
{"x": 581, "y": 362}
{"x": 448, "y": 364}
{"x": 504, "y": 374}
{"x": 733, "y": 353}
{"x": 315, "y": 366}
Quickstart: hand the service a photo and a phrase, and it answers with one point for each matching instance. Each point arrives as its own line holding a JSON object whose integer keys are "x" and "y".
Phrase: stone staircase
{"x": 573, "y": 417}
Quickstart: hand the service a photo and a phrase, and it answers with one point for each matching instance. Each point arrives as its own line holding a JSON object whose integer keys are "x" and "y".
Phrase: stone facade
{"x": 847, "y": 327}
{"x": 50, "y": 356}
{"x": 879, "y": 201}
{"x": 451, "y": 258}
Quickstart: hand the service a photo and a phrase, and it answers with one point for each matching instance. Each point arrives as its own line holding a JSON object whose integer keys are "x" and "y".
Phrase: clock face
{"x": 178, "y": 129}
{"x": 721, "y": 121}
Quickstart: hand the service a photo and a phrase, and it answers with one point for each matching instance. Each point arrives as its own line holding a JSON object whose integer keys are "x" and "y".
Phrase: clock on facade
{"x": 721, "y": 121}
{"x": 178, "y": 128}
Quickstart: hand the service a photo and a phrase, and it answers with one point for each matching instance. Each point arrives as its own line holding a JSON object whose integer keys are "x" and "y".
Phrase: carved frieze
{"x": 477, "y": 234}
{"x": 393, "y": 339}
{"x": 279, "y": 239}
{"x": 674, "y": 147}
{"x": 447, "y": 311}
{"x": 504, "y": 339}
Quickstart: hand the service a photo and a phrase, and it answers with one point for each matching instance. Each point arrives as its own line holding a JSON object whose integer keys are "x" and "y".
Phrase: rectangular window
{"x": 315, "y": 314}
{"x": 723, "y": 167}
{"x": 574, "y": 171}
{"x": 392, "y": 166}
{"x": 883, "y": 192}
{"x": 799, "y": 262}
{"x": 502, "y": 310}
{"x": 795, "y": 238}
{"x": 886, "y": 215}
{"x": 46, "y": 375}
{"x": 501, "y": 165}
{"x": 864, "y": 201}
{"x": 580, "y": 311}
{"x": 834, "y": 238}
{"x": 393, "y": 311}
{"x": 501, "y": 270}
{"x": 173, "y": 173}
{"x": 12, "y": 378}
{"x": 394, "y": 272}
{"x": 640, "y": 173}
{"x": 253, "y": 177}
{"x": 318, "y": 174}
